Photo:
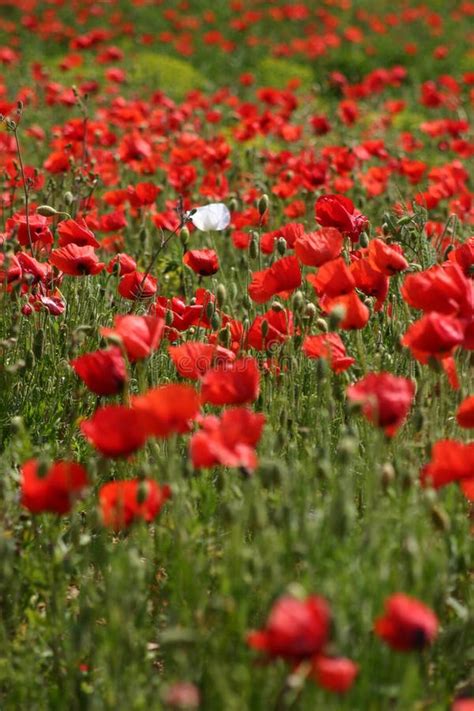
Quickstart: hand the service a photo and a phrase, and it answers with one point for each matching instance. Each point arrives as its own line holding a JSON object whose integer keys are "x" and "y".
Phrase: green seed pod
{"x": 169, "y": 317}
{"x": 221, "y": 295}
{"x": 142, "y": 492}
{"x": 311, "y": 311}
{"x": 38, "y": 343}
{"x": 263, "y": 204}
{"x": 68, "y": 198}
{"x": 264, "y": 328}
{"x": 281, "y": 246}
{"x": 277, "y": 307}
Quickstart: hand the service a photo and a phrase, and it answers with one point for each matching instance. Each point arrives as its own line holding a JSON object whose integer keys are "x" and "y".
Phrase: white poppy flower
{"x": 215, "y": 216}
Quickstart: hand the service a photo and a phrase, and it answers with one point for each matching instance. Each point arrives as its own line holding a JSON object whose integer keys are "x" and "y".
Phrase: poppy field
{"x": 236, "y": 368}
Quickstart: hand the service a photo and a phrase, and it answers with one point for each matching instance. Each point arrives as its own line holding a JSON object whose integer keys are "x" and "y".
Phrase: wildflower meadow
{"x": 236, "y": 368}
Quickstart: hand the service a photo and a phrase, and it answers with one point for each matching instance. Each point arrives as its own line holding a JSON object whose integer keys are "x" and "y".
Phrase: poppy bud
{"x": 254, "y": 247}
{"x": 17, "y": 425}
{"x": 385, "y": 229}
{"x": 347, "y": 448}
{"x": 38, "y": 343}
{"x": 68, "y": 198}
{"x": 210, "y": 308}
{"x": 277, "y": 307}
{"x": 310, "y": 311}
{"x": 263, "y": 204}
{"x": 234, "y": 290}
{"x": 169, "y": 317}
{"x": 142, "y": 492}
{"x": 320, "y": 322}
{"x": 264, "y": 328}
{"x": 281, "y": 245}
{"x": 364, "y": 239}
{"x": 46, "y": 211}
{"x": 30, "y": 359}
{"x": 215, "y": 321}
{"x": 143, "y": 235}
{"x": 298, "y": 301}
{"x": 246, "y": 301}
{"x": 221, "y": 295}
{"x": 337, "y": 315}
{"x": 405, "y": 220}
{"x": 233, "y": 204}
{"x": 225, "y": 337}
{"x": 388, "y": 475}
{"x": 26, "y": 310}
{"x": 43, "y": 466}
{"x": 184, "y": 236}
{"x": 440, "y": 519}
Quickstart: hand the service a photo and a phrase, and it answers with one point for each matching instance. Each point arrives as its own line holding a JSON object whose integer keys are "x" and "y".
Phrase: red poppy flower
{"x": 55, "y": 490}
{"x": 295, "y": 630}
{"x": 115, "y": 430}
{"x": 36, "y": 227}
{"x": 134, "y": 285}
{"x": 330, "y": 347}
{"x": 370, "y": 281}
{"x": 385, "y": 399}
{"x": 193, "y": 359}
{"x": 167, "y": 409}
{"x": 123, "y": 263}
{"x": 445, "y": 290}
{"x": 279, "y": 327}
{"x": 435, "y": 334}
{"x": 407, "y": 624}
{"x": 231, "y": 383}
{"x": 339, "y": 212}
{"x": 334, "y": 673}
{"x": 123, "y": 502}
{"x": 140, "y": 335}
{"x": 356, "y": 314}
{"x": 333, "y": 279}
{"x": 463, "y": 705}
{"x": 76, "y": 232}
{"x": 104, "y": 372}
{"x": 317, "y": 248}
{"x": 76, "y": 261}
{"x": 465, "y": 413}
{"x": 230, "y": 440}
{"x": 388, "y": 259}
{"x": 202, "y": 261}
{"x": 450, "y": 461}
{"x": 281, "y": 278}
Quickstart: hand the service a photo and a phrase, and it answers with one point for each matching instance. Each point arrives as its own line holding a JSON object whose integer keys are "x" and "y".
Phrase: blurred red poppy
{"x": 140, "y": 335}
{"x": 54, "y": 490}
{"x": 330, "y": 347}
{"x": 451, "y": 461}
{"x": 465, "y": 413}
{"x": 123, "y": 502}
{"x": 335, "y": 674}
{"x": 115, "y": 430}
{"x": 104, "y": 371}
{"x": 385, "y": 399}
{"x": 295, "y": 629}
{"x": 407, "y": 624}
{"x": 233, "y": 383}
{"x": 167, "y": 409}
{"x": 230, "y": 440}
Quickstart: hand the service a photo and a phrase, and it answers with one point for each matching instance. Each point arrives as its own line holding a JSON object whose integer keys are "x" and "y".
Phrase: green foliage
{"x": 278, "y": 72}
